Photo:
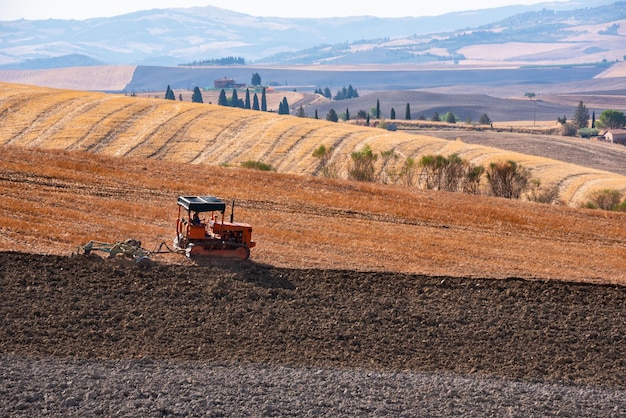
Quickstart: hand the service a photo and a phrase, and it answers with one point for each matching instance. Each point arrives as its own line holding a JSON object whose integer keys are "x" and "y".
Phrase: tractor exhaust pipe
{"x": 232, "y": 212}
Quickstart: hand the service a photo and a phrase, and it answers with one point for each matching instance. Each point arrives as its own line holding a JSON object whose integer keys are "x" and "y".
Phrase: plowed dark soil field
{"x": 89, "y": 307}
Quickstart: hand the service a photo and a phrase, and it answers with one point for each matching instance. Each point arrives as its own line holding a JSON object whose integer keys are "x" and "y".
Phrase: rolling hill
{"x": 201, "y": 134}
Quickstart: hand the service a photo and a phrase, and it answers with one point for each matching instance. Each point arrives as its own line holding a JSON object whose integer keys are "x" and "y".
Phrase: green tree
{"x": 484, "y": 119}
{"x": 255, "y": 102}
{"x": 256, "y": 79}
{"x": 222, "y": 100}
{"x": 436, "y": 117}
{"x": 316, "y": 115}
{"x": 393, "y": 113}
{"x": 300, "y": 112}
{"x": 332, "y": 116}
{"x": 449, "y": 117}
{"x": 377, "y": 109}
{"x": 407, "y": 112}
{"x": 327, "y": 93}
{"x": 196, "y": 97}
{"x": 347, "y": 115}
{"x": 263, "y": 101}
{"x": 581, "y": 116}
{"x": 611, "y": 119}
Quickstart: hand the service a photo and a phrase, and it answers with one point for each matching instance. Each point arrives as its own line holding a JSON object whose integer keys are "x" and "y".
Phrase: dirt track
{"x": 88, "y": 308}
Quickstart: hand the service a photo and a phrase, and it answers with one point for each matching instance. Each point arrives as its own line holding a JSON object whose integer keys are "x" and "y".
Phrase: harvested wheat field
{"x": 359, "y": 298}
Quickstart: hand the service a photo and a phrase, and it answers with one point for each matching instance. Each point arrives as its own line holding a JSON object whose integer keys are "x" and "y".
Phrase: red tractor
{"x": 202, "y": 231}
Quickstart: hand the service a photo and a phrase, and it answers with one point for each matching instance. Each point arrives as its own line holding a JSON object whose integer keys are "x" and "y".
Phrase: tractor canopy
{"x": 202, "y": 203}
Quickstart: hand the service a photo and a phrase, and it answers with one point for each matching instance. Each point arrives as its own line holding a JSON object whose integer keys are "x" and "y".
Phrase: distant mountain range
{"x": 577, "y": 30}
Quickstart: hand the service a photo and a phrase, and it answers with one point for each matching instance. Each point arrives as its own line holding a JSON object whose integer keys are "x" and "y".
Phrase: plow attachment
{"x": 131, "y": 248}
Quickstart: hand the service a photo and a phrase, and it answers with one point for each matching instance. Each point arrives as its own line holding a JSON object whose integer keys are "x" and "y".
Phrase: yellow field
{"x": 184, "y": 133}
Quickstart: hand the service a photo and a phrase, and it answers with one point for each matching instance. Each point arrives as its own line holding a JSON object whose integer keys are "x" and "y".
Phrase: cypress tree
{"x": 285, "y": 106}
{"x": 234, "y": 100}
{"x": 222, "y": 100}
{"x": 351, "y": 92}
{"x": 247, "y": 104}
{"x": 196, "y": 97}
{"x": 593, "y": 120}
{"x": 255, "y": 102}
{"x": 393, "y": 113}
{"x": 377, "y": 109}
{"x": 169, "y": 93}
{"x": 407, "y": 113}
{"x": 263, "y": 101}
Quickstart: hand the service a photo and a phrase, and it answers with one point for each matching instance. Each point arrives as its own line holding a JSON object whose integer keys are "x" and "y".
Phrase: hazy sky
{"x": 85, "y": 9}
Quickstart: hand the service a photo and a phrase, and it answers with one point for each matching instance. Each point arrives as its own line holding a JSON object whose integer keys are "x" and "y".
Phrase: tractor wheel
{"x": 243, "y": 253}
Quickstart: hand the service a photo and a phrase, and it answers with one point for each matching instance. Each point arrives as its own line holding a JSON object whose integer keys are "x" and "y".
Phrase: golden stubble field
{"x": 206, "y": 134}
{"x": 54, "y": 201}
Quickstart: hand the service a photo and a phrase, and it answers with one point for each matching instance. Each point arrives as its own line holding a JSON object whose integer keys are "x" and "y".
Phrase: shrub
{"x": 507, "y": 179}
{"x": 568, "y": 129}
{"x": 362, "y": 167}
{"x": 484, "y": 119}
{"x": 471, "y": 181}
{"x": 389, "y": 174}
{"x": 452, "y": 174}
{"x": 324, "y": 154}
{"x": 538, "y": 194}
{"x": 257, "y": 165}
{"x": 587, "y": 132}
{"x": 408, "y": 171}
{"x": 607, "y": 199}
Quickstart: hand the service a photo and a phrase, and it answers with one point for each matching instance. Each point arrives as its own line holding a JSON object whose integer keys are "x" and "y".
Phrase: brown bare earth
{"x": 87, "y": 307}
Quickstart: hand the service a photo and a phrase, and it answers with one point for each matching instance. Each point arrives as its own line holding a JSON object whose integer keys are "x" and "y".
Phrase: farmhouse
{"x": 225, "y": 83}
{"x": 615, "y": 136}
